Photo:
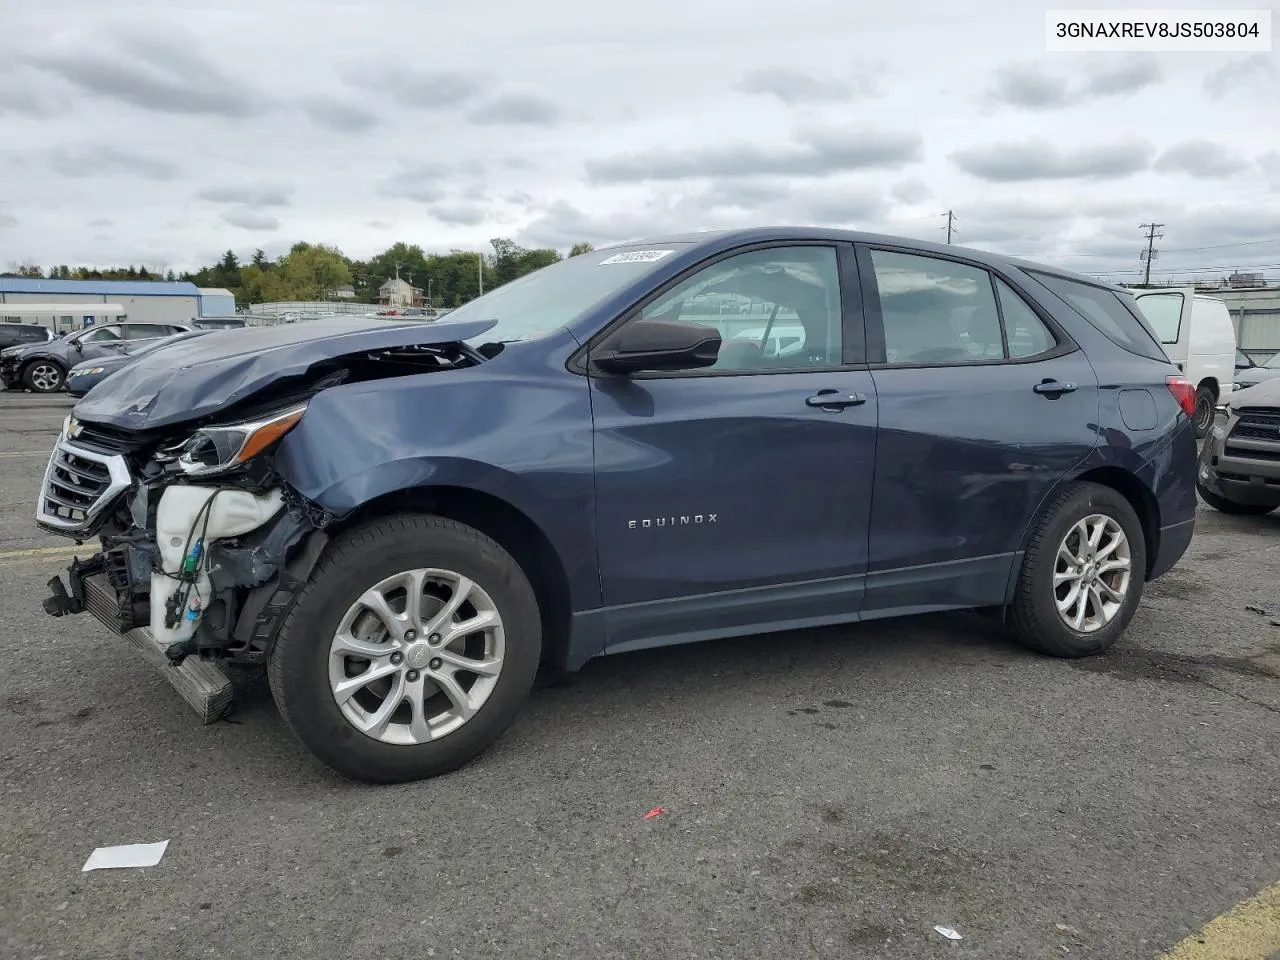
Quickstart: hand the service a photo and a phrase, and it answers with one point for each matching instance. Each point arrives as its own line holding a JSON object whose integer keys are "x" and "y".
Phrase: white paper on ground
{"x": 126, "y": 855}
{"x": 948, "y": 932}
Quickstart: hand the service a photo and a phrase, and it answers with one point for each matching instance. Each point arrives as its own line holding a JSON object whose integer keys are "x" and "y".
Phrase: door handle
{"x": 836, "y": 399}
{"x": 1053, "y": 388}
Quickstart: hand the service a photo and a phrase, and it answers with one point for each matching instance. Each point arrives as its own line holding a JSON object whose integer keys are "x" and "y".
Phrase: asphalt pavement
{"x": 830, "y": 793}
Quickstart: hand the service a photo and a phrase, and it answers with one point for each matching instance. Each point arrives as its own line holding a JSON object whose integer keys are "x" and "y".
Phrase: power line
{"x": 1151, "y": 249}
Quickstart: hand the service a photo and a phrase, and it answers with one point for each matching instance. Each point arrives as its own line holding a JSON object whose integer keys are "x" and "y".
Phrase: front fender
{"x": 525, "y": 440}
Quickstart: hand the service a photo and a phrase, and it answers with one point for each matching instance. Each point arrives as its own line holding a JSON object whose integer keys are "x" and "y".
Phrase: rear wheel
{"x": 1223, "y": 505}
{"x": 410, "y": 651}
{"x": 1082, "y": 575}
{"x": 1202, "y": 418}
{"x": 44, "y": 376}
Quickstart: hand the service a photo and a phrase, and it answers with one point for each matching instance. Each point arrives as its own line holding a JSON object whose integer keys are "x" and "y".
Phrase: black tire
{"x": 298, "y": 670}
{"x": 1204, "y": 415}
{"x": 1034, "y": 613}
{"x": 1223, "y": 505}
{"x": 43, "y": 370}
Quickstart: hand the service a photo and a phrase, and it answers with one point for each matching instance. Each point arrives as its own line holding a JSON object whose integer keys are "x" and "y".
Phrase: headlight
{"x": 218, "y": 449}
{"x": 84, "y": 373}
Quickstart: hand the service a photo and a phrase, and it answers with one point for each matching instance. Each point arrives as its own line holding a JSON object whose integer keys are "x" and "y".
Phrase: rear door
{"x": 738, "y": 496}
{"x": 984, "y": 405}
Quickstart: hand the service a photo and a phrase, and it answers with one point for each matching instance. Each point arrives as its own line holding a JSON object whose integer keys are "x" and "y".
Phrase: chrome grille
{"x": 79, "y": 484}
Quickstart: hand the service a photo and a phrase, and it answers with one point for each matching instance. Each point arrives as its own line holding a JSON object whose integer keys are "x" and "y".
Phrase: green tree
{"x": 313, "y": 272}
{"x": 578, "y": 249}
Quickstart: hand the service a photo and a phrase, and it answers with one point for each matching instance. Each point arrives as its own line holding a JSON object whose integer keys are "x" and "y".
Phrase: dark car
{"x": 403, "y": 521}
{"x": 1239, "y": 469}
{"x": 20, "y": 334}
{"x": 42, "y": 367}
{"x": 86, "y": 375}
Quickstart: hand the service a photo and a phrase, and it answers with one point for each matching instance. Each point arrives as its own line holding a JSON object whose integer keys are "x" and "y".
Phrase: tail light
{"x": 1184, "y": 391}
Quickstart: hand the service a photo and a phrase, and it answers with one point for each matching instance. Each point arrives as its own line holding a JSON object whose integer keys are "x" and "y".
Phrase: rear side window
{"x": 1028, "y": 336}
{"x": 1164, "y": 312}
{"x": 1121, "y": 324}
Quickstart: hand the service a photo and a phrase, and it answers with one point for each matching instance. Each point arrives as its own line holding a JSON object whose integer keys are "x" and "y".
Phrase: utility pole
{"x": 951, "y": 216}
{"x": 1150, "y": 253}
{"x": 480, "y": 271}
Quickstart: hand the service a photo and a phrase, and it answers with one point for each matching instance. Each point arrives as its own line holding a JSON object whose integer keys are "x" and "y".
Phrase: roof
{"x": 716, "y": 240}
{"x": 215, "y": 292}
{"x": 100, "y": 288}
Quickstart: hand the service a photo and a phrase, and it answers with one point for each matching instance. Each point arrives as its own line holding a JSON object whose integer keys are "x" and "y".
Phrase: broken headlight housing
{"x": 217, "y": 449}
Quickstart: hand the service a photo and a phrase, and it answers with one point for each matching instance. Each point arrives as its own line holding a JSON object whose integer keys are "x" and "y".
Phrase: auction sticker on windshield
{"x": 637, "y": 256}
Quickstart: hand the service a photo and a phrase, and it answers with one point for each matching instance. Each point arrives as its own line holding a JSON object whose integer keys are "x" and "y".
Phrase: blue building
{"x": 153, "y": 300}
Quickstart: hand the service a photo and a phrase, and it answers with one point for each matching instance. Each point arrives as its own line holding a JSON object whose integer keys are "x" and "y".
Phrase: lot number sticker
{"x": 637, "y": 256}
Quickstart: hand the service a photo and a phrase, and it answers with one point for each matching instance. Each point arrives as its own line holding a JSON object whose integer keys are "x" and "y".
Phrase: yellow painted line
{"x": 49, "y": 553}
{"x": 1248, "y": 931}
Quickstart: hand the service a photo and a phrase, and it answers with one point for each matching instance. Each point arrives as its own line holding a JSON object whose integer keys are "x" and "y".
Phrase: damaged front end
{"x": 204, "y": 545}
{"x": 199, "y": 562}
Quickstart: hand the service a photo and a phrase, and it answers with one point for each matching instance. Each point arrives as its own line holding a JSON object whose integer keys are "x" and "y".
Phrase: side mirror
{"x": 659, "y": 345}
{"x": 78, "y": 345}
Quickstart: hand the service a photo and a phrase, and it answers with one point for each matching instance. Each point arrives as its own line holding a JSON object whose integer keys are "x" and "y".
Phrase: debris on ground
{"x": 655, "y": 812}
{"x": 125, "y": 855}
{"x": 949, "y": 932}
{"x": 1254, "y": 608}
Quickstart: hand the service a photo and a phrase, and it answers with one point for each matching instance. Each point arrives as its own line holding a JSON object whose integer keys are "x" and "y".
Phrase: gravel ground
{"x": 831, "y": 793}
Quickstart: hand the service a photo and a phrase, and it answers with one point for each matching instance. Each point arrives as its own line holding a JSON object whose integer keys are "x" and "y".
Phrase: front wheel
{"x": 1203, "y": 416}
{"x": 44, "y": 376}
{"x": 1082, "y": 575}
{"x": 410, "y": 651}
{"x": 1223, "y": 505}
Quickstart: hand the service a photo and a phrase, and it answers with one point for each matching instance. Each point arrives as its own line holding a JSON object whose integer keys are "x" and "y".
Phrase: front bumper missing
{"x": 201, "y": 683}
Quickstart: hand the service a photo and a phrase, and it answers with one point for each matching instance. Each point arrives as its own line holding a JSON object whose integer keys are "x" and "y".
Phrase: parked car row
{"x": 77, "y": 361}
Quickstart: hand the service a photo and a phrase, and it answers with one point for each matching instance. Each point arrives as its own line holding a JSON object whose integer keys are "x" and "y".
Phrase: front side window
{"x": 776, "y": 308}
{"x": 936, "y": 311}
{"x": 101, "y": 335}
{"x": 1121, "y": 324}
{"x": 1164, "y": 312}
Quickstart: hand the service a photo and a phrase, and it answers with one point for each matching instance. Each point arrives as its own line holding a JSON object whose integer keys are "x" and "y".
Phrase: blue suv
{"x": 662, "y": 442}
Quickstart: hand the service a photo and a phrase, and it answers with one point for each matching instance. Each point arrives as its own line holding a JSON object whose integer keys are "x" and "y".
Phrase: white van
{"x": 1197, "y": 335}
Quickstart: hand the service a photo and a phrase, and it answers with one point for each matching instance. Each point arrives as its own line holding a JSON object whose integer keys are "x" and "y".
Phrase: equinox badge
{"x": 683, "y": 521}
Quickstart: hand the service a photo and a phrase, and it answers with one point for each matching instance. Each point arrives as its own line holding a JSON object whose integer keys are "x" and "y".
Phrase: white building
{"x": 154, "y": 300}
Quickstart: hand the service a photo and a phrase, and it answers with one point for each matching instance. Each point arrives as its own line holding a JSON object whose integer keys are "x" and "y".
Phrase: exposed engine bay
{"x": 203, "y": 543}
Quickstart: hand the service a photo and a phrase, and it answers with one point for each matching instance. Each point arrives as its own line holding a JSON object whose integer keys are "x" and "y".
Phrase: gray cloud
{"x": 415, "y": 89}
{"x": 1124, "y": 76}
{"x": 424, "y": 181}
{"x": 1257, "y": 73}
{"x": 517, "y": 109}
{"x": 459, "y": 214}
{"x": 379, "y": 224}
{"x": 1030, "y": 87}
{"x": 817, "y": 153}
{"x": 106, "y": 160}
{"x": 1041, "y": 160}
{"x": 1270, "y": 164}
{"x": 793, "y": 86}
{"x": 251, "y": 195}
{"x": 913, "y": 190}
{"x": 102, "y": 222}
{"x": 249, "y": 220}
{"x": 160, "y": 73}
{"x": 8, "y": 220}
{"x": 1202, "y": 158}
{"x": 337, "y": 115}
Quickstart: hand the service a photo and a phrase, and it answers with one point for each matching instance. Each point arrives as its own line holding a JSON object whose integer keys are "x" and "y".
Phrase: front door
{"x": 738, "y": 496}
{"x": 984, "y": 406}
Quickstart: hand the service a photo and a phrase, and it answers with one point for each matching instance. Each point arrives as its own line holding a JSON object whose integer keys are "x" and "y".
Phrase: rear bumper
{"x": 201, "y": 683}
{"x": 1174, "y": 541}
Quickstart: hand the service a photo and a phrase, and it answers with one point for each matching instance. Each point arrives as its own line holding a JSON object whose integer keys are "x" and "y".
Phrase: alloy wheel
{"x": 416, "y": 656}
{"x": 1091, "y": 573}
{"x": 45, "y": 377}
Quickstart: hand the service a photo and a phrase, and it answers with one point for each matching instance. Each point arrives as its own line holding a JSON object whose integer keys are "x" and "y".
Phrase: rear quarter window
{"x": 1115, "y": 316}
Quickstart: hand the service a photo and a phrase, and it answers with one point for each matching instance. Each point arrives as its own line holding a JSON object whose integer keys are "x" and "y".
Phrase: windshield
{"x": 1273, "y": 363}
{"x": 549, "y": 298}
{"x": 151, "y": 345}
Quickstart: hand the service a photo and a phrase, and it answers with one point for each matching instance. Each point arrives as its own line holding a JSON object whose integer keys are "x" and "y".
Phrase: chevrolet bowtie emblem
{"x": 73, "y": 428}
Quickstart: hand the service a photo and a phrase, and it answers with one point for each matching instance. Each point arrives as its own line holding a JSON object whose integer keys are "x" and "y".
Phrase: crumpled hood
{"x": 199, "y": 377}
{"x": 1264, "y": 394}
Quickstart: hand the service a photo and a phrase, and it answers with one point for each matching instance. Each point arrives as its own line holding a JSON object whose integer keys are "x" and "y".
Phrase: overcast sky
{"x": 165, "y": 131}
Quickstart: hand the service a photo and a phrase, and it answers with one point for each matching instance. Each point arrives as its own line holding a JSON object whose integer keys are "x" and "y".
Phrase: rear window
{"x": 1120, "y": 322}
{"x": 1164, "y": 312}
